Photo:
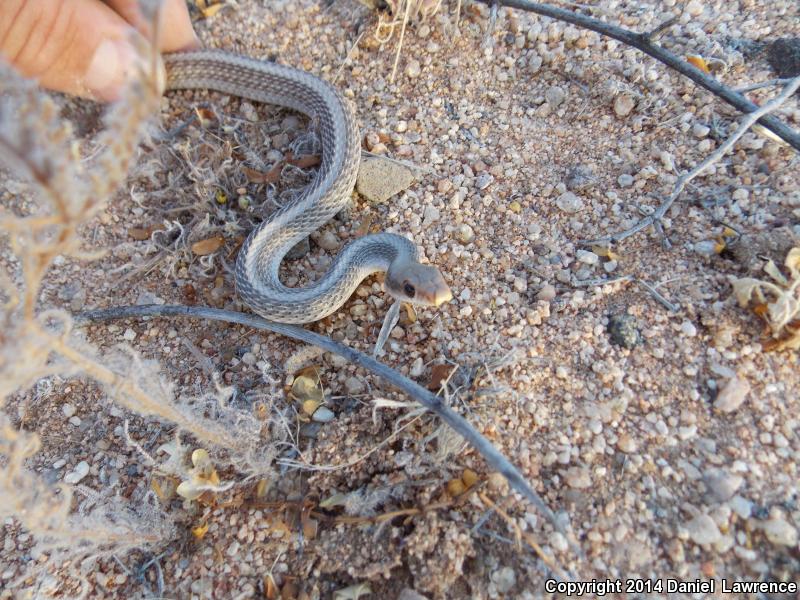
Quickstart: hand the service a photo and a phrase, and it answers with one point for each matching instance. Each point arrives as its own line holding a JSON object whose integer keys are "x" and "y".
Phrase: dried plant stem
{"x": 400, "y": 42}
{"x": 642, "y": 41}
{"x": 747, "y": 122}
{"x": 124, "y": 391}
{"x": 492, "y": 455}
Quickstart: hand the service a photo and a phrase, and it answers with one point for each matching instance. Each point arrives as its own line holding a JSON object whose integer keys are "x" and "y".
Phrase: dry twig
{"x": 643, "y": 42}
{"x": 493, "y": 457}
{"x": 747, "y": 122}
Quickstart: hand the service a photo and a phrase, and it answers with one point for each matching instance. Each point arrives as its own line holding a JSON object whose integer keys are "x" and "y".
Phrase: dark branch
{"x": 493, "y": 457}
{"x": 641, "y": 41}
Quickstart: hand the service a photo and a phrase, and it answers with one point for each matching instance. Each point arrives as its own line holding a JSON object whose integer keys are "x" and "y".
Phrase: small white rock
{"x": 587, "y": 257}
{"x": 569, "y": 202}
{"x": 703, "y": 530}
{"x": 732, "y": 395}
{"x": 578, "y": 478}
{"x": 780, "y": 533}
{"x": 68, "y": 410}
{"x": 353, "y": 385}
{"x": 624, "y": 105}
{"x": 328, "y": 241}
{"x": 688, "y": 329}
{"x": 323, "y": 414}
{"x": 694, "y": 8}
{"x": 721, "y": 484}
{"x": 430, "y": 215}
{"x": 625, "y": 180}
{"x": 80, "y": 471}
{"x": 700, "y": 131}
{"x": 129, "y": 335}
{"x": 413, "y": 68}
{"x": 555, "y": 96}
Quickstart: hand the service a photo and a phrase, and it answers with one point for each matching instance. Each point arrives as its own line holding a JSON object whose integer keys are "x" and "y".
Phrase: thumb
{"x": 79, "y": 47}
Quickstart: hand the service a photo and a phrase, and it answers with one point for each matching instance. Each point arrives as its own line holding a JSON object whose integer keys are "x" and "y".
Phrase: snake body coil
{"x": 259, "y": 259}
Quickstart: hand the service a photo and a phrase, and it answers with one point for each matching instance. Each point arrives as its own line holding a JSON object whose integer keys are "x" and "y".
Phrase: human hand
{"x": 83, "y": 47}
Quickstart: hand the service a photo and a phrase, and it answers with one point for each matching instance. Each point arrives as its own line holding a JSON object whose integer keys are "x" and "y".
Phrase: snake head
{"x": 417, "y": 284}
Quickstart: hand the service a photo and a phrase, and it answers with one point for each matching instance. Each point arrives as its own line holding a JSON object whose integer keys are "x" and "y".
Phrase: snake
{"x": 256, "y": 272}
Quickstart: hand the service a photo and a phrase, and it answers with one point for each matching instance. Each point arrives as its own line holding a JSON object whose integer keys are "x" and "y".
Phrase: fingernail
{"x": 113, "y": 64}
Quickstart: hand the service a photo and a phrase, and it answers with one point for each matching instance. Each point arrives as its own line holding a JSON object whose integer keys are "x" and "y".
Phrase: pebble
{"x": 558, "y": 542}
{"x": 624, "y": 105}
{"x": 430, "y": 215}
{"x": 587, "y": 257}
{"x": 721, "y": 484}
{"x": 379, "y": 179}
{"x": 555, "y": 96}
{"x": 504, "y": 579}
{"x": 688, "y": 329}
{"x": 624, "y": 331}
{"x": 129, "y": 335}
{"x": 578, "y": 477}
{"x": 569, "y": 202}
{"x": 497, "y": 483}
{"x": 299, "y": 250}
{"x": 417, "y": 367}
{"x": 694, "y": 8}
{"x": 780, "y": 533}
{"x": 323, "y": 414}
{"x": 700, "y": 131}
{"x": 353, "y": 386}
{"x": 626, "y": 444}
{"x": 703, "y": 530}
{"x": 580, "y": 177}
{"x": 68, "y": 409}
{"x": 732, "y": 395}
{"x": 625, "y": 180}
{"x": 484, "y": 180}
{"x": 80, "y": 471}
{"x": 465, "y": 234}
{"x": 413, "y": 68}
{"x": 741, "y": 506}
{"x": 547, "y": 293}
{"x": 328, "y": 241}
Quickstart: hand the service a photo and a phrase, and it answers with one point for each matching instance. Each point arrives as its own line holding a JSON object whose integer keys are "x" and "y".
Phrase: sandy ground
{"x": 530, "y": 138}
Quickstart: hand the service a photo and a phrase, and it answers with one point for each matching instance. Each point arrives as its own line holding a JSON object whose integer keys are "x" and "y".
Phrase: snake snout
{"x": 418, "y": 284}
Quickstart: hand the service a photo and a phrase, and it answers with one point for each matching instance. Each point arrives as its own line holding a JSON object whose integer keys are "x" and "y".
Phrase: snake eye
{"x": 409, "y": 289}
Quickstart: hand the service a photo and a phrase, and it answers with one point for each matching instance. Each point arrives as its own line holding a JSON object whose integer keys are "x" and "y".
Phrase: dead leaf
{"x": 456, "y": 487}
{"x": 698, "y": 61}
{"x": 208, "y": 245}
{"x": 200, "y": 531}
{"x": 439, "y": 374}
{"x": 353, "y": 592}
{"x": 255, "y": 176}
{"x": 605, "y": 252}
{"x": 305, "y": 161}
{"x": 209, "y": 10}
{"x": 140, "y": 234}
{"x": 305, "y": 388}
{"x": 470, "y": 478}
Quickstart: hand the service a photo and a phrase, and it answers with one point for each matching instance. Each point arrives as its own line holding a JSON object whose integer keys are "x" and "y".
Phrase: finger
{"x": 176, "y": 26}
{"x": 79, "y": 47}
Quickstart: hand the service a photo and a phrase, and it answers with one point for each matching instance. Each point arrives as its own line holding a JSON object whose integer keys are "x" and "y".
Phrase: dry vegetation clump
{"x": 57, "y": 193}
{"x": 776, "y": 301}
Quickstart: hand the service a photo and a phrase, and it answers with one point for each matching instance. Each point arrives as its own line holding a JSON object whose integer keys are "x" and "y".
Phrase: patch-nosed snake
{"x": 257, "y": 266}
